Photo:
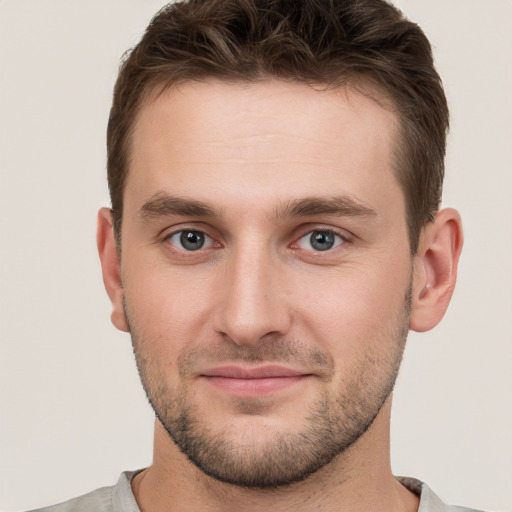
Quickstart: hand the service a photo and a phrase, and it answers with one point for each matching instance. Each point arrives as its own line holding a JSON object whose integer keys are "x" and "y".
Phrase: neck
{"x": 358, "y": 480}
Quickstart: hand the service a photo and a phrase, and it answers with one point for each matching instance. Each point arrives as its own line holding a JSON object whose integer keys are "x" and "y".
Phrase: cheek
{"x": 353, "y": 309}
{"x": 168, "y": 308}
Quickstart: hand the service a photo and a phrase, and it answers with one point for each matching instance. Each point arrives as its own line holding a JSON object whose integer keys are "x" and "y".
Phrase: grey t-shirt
{"x": 120, "y": 498}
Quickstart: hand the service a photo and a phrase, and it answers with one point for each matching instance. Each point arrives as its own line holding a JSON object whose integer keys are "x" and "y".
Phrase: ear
{"x": 111, "y": 267}
{"x": 435, "y": 269}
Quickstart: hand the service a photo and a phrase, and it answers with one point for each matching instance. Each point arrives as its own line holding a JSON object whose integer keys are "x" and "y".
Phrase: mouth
{"x": 247, "y": 382}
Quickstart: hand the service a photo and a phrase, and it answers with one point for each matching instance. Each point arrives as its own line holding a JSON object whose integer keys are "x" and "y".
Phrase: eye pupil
{"x": 192, "y": 240}
{"x": 322, "y": 240}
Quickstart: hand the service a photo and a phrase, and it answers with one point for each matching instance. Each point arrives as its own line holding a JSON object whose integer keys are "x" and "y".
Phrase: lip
{"x": 260, "y": 372}
{"x": 258, "y": 381}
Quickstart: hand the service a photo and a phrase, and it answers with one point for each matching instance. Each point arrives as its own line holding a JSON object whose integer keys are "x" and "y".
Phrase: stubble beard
{"x": 332, "y": 425}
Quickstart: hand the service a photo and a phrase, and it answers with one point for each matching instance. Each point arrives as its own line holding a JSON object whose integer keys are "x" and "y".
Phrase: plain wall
{"x": 73, "y": 414}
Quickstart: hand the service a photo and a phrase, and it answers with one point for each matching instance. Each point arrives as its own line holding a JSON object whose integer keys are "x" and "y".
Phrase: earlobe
{"x": 111, "y": 268}
{"x": 435, "y": 270}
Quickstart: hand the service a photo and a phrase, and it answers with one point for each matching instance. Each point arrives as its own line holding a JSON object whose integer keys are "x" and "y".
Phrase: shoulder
{"x": 118, "y": 498}
{"x": 99, "y": 500}
{"x": 429, "y": 500}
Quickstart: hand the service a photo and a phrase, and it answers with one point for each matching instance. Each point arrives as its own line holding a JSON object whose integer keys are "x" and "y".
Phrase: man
{"x": 275, "y": 171}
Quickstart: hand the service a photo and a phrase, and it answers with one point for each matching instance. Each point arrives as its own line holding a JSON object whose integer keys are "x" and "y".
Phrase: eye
{"x": 190, "y": 240}
{"x": 320, "y": 240}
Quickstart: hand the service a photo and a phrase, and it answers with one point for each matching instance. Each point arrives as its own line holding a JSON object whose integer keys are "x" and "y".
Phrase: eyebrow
{"x": 342, "y": 206}
{"x": 163, "y": 205}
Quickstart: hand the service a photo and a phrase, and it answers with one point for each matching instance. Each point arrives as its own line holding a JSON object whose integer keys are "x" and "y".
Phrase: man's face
{"x": 266, "y": 272}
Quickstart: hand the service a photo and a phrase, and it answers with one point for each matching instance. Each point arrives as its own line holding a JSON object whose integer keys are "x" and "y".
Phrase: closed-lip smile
{"x": 252, "y": 381}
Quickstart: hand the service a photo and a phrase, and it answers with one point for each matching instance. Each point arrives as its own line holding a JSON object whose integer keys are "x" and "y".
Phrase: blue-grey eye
{"x": 190, "y": 240}
{"x": 320, "y": 240}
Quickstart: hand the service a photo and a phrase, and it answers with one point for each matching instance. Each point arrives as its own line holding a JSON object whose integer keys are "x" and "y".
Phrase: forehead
{"x": 272, "y": 139}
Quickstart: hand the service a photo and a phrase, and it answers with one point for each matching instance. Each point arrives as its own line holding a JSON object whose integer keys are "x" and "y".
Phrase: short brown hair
{"x": 333, "y": 42}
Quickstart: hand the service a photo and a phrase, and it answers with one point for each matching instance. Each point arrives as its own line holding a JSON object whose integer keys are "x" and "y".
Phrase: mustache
{"x": 283, "y": 351}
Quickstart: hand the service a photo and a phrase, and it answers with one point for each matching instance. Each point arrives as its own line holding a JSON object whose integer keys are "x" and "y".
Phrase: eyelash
{"x": 333, "y": 236}
{"x": 208, "y": 239}
{"x": 337, "y": 239}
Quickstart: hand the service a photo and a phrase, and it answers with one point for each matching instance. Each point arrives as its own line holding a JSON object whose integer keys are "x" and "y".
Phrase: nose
{"x": 253, "y": 305}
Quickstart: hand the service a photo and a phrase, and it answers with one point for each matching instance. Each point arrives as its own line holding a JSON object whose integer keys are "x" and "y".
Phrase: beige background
{"x": 73, "y": 415}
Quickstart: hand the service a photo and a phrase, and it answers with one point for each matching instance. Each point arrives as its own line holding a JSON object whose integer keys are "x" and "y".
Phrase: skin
{"x": 259, "y": 294}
